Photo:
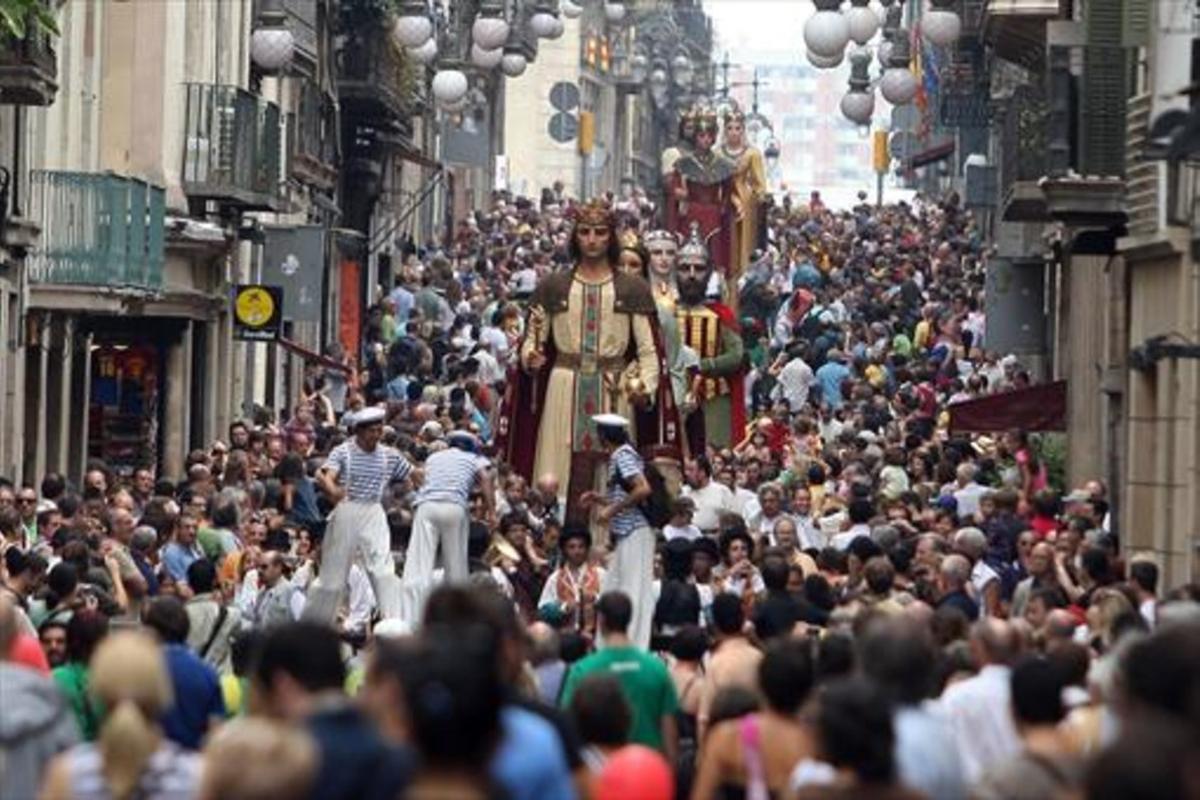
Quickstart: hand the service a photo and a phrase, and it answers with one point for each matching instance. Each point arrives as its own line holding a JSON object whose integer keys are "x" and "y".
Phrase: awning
{"x": 1038, "y": 408}
{"x": 934, "y": 154}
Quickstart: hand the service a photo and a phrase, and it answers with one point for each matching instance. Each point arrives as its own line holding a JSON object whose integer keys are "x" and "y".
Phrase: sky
{"x": 766, "y": 29}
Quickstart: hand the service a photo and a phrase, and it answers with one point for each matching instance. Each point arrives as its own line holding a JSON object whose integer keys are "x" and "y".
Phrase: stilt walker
{"x": 631, "y": 566}
{"x": 442, "y": 518}
{"x": 354, "y": 478}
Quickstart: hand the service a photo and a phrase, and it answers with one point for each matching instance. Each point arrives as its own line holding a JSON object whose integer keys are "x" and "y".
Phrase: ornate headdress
{"x": 595, "y": 212}
{"x": 706, "y": 120}
{"x": 652, "y": 238}
{"x": 735, "y": 114}
{"x": 695, "y": 250}
{"x": 629, "y": 240}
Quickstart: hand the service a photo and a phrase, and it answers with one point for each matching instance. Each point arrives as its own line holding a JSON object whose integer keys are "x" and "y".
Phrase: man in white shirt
{"x": 770, "y": 503}
{"x": 860, "y": 513}
{"x": 978, "y": 708}
{"x": 971, "y": 543}
{"x": 711, "y": 498}
{"x": 968, "y": 493}
{"x": 795, "y": 377}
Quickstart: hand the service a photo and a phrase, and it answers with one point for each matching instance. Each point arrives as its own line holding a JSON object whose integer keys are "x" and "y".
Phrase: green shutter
{"x": 1135, "y": 27}
{"x": 1104, "y": 94}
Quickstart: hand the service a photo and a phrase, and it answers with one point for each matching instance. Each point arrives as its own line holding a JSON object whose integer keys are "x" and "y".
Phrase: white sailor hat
{"x": 610, "y": 421}
{"x": 367, "y": 416}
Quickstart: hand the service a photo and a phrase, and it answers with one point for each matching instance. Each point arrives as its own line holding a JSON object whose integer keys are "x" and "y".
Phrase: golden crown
{"x": 630, "y": 240}
{"x": 735, "y": 115}
{"x": 594, "y": 212}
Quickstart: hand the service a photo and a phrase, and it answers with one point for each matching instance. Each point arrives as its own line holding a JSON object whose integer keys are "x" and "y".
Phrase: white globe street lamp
{"x": 485, "y": 59}
{"x": 827, "y": 31}
{"x": 271, "y": 48}
{"x": 940, "y": 24}
{"x": 543, "y": 21}
{"x": 449, "y": 86}
{"x": 858, "y": 104}
{"x": 614, "y": 11}
{"x": 489, "y": 32}
{"x": 570, "y": 9}
{"x": 681, "y": 68}
{"x": 820, "y": 62}
{"x": 513, "y": 64}
{"x": 898, "y": 84}
{"x": 862, "y": 20}
{"x": 426, "y": 53}
{"x": 413, "y": 27}
{"x": 557, "y": 29}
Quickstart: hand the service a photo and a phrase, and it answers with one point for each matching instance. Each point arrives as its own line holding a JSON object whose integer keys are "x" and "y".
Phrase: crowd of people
{"x": 848, "y": 601}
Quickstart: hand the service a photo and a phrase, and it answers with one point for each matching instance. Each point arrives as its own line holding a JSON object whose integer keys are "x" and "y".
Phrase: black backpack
{"x": 657, "y": 507}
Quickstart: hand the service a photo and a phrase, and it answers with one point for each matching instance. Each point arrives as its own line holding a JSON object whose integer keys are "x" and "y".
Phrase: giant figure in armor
{"x": 710, "y": 329}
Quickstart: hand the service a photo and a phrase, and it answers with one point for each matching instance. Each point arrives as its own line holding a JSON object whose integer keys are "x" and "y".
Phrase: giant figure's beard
{"x": 693, "y": 290}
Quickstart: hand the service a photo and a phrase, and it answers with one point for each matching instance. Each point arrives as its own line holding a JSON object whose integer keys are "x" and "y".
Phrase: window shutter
{"x": 1103, "y": 105}
{"x": 1136, "y": 25}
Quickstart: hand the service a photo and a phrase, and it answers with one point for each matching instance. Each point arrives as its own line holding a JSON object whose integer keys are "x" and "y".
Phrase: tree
{"x": 17, "y": 15}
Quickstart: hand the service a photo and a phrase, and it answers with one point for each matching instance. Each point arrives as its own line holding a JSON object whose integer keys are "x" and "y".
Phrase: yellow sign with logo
{"x": 257, "y": 312}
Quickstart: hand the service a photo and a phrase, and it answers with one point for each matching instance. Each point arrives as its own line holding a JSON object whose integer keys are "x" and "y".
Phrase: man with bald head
{"x": 978, "y": 708}
{"x": 1041, "y": 576}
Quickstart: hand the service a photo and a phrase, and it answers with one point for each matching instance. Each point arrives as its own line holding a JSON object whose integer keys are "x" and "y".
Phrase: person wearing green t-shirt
{"x": 84, "y": 633}
{"x": 647, "y": 684}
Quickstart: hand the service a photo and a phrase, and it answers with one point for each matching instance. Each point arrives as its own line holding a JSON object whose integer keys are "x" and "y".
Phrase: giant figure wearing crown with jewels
{"x": 591, "y": 346}
{"x": 701, "y": 188}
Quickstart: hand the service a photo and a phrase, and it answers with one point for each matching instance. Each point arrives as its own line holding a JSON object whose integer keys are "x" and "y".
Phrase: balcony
{"x": 1017, "y": 29}
{"x": 314, "y": 138}
{"x": 1023, "y": 156}
{"x": 232, "y": 150}
{"x": 375, "y": 82}
{"x": 28, "y": 69}
{"x": 98, "y": 229}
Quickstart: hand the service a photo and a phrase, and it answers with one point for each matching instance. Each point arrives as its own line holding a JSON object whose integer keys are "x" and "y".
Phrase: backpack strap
{"x": 212, "y": 637}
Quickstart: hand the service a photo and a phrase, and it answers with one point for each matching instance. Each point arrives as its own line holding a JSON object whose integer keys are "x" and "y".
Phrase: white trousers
{"x": 356, "y": 531}
{"x": 435, "y": 523}
{"x": 631, "y": 570}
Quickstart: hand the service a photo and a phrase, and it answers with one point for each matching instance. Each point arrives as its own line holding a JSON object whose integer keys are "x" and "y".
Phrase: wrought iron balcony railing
{"x": 315, "y": 129}
{"x": 232, "y": 149}
{"x": 28, "y": 68}
{"x": 1023, "y": 154}
{"x": 98, "y": 229}
{"x": 374, "y": 78}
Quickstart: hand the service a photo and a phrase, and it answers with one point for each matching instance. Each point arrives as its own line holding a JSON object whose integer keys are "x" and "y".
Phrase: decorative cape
{"x": 658, "y": 428}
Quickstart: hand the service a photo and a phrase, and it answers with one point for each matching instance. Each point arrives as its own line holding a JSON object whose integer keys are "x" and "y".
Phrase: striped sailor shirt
{"x": 624, "y": 465}
{"x": 366, "y": 475}
{"x": 449, "y": 476}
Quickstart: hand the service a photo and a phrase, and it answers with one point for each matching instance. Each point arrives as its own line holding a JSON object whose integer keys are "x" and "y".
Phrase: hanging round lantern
{"x": 486, "y": 59}
{"x": 858, "y": 106}
{"x": 449, "y": 86}
{"x": 513, "y": 64}
{"x": 884, "y": 52}
{"x": 412, "y": 30}
{"x": 825, "y": 63}
{"x": 681, "y": 68}
{"x": 940, "y": 24}
{"x": 863, "y": 22}
{"x": 556, "y": 30}
{"x": 489, "y": 32}
{"x": 614, "y": 12}
{"x": 425, "y": 54}
{"x": 898, "y": 85}
{"x": 271, "y": 48}
{"x": 570, "y": 9}
{"x": 639, "y": 66}
{"x": 542, "y": 23}
{"x": 827, "y": 31}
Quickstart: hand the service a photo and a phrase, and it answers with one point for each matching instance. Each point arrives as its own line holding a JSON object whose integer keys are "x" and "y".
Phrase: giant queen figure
{"x": 591, "y": 346}
{"x": 701, "y": 190}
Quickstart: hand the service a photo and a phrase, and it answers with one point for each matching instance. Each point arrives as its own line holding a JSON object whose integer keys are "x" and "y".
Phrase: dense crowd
{"x": 852, "y": 601}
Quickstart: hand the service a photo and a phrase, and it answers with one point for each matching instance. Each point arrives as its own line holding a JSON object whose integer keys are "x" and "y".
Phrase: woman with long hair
{"x": 131, "y": 758}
